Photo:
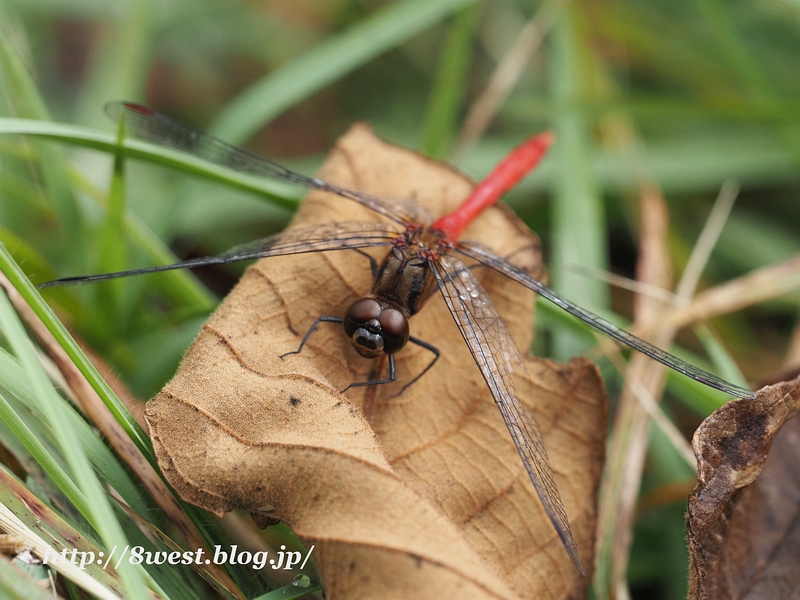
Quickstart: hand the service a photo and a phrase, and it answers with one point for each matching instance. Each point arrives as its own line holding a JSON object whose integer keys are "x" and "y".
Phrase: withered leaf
{"x": 427, "y": 499}
{"x": 744, "y": 539}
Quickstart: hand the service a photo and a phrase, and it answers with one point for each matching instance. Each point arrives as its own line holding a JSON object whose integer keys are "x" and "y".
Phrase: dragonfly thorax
{"x": 375, "y": 328}
{"x": 404, "y": 279}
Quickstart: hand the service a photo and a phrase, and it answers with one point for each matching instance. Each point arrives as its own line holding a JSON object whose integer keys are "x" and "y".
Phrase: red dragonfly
{"x": 423, "y": 256}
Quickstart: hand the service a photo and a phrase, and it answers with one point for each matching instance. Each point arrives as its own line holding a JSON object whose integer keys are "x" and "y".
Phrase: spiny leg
{"x": 393, "y": 372}
{"x": 373, "y": 264}
{"x": 310, "y": 331}
{"x": 392, "y": 377}
{"x": 436, "y": 356}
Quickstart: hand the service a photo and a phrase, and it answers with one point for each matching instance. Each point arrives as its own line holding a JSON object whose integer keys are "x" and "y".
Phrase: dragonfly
{"x": 424, "y": 256}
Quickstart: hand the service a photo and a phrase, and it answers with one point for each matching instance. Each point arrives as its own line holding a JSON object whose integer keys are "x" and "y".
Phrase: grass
{"x": 685, "y": 95}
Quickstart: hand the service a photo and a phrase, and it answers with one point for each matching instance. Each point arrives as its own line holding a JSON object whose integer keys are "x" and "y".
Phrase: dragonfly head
{"x": 374, "y": 328}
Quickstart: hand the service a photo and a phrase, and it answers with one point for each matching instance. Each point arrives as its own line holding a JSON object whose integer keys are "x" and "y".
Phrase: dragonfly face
{"x": 375, "y": 328}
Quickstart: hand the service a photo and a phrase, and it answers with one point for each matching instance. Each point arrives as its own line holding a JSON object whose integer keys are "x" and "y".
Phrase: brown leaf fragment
{"x": 426, "y": 499}
{"x": 742, "y": 522}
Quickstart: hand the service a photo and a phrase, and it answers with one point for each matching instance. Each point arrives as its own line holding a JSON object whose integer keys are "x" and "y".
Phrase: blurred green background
{"x": 683, "y": 93}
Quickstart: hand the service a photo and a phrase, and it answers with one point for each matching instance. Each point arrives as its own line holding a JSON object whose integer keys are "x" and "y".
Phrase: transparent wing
{"x": 501, "y": 265}
{"x": 314, "y": 238}
{"x": 152, "y": 126}
{"x": 493, "y": 349}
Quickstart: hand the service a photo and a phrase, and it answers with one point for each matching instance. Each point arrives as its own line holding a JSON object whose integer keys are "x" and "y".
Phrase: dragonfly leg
{"x": 436, "y": 355}
{"x": 310, "y": 331}
{"x": 393, "y": 370}
{"x": 392, "y": 377}
{"x": 373, "y": 264}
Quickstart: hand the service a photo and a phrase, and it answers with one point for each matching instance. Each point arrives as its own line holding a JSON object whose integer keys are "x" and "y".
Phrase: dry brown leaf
{"x": 432, "y": 499}
{"x": 742, "y": 521}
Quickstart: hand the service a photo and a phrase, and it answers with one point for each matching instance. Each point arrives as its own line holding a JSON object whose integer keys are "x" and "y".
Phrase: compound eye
{"x": 360, "y": 312}
{"x": 395, "y": 330}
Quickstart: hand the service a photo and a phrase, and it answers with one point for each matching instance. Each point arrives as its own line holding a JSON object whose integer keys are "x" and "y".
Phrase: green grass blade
{"x": 26, "y": 101}
{"x": 449, "y": 88}
{"x": 578, "y": 232}
{"x": 111, "y": 239}
{"x": 32, "y": 444}
{"x": 327, "y": 62}
{"x": 717, "y": 15}
{"x": 98, "y": 512}
{"x": 181, "y": 285}
{"x": 55, "y": 327}
{"x": 720, "y": 357}
{"x": 278, "y": 193}
{"x": 119, "y": 63}
{"x": 13, "y": 378}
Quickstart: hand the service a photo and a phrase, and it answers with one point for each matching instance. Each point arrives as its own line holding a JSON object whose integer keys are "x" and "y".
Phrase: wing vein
{"x": 341, "y": 235}
{"x": 487, "y": 338}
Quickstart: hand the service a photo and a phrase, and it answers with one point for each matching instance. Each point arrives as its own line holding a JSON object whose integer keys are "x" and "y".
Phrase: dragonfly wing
{"x": 493, "y": 349}
{"x": 501, "y": 265}
{"x": 152, "y": 126}
{"x": 341, "y": 235}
